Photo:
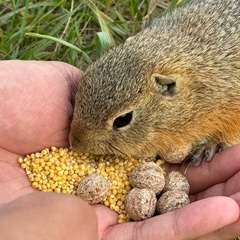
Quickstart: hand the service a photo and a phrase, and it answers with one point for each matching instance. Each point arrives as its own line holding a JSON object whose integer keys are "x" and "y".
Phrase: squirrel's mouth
{"x": 93, "y": 146}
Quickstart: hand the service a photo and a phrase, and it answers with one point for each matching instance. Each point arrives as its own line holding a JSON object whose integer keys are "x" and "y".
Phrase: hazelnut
{"x": 176, "y": 181}
{"x": 148, "y": 175}
{"x": 172, "y": 200}
{"x": 140, "y": 204}
{"x": 93, "y": 188}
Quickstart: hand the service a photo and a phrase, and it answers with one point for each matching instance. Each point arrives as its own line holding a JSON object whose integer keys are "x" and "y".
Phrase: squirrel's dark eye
{"x": 122, "y": 120}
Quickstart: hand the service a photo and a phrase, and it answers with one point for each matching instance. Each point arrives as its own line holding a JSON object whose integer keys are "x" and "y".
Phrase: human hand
{"x": 212, "y": 215}
{"x": 36, "y": 113}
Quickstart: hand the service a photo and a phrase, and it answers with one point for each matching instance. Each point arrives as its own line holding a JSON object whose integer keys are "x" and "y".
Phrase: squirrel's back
{"x": 203, "y": 31}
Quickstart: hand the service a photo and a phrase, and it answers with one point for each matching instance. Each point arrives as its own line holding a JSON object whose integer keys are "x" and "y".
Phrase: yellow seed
{"x": 63, "y": 167}
{"x": 116, "y": 208}
{"x": 106, "y": 203}
{"x": 54, "y": 149}
{"x": 49, "y": 164}
{"x": 39, "y": 168}
{"x": 61, "y": 170}
{"x": 74, "y": 176}
{"x": 114, "y": 191}
{"x": 51, "y": 181}
{"x": 46, "y": 167}
{"x": 43, "y": 164}
{"x": 83, "y": 157}
{"x": 58, "y": 168}
{"x": 35, "y": 184}
{"x": 23, "y": 165}
{"x": 57, "y": 190}
{"x": 111, "y": 201}
{"x": 52, "y": 186}
{"x": 119, "y": 203}
{"x": 55, "y": 178}
{"x": 20, "y": 160}
{"x": 51, "y": 175}
{"x": 61, "y": 152}
{"x": 44, "y": 152}
{"x": 75, "y": 154}
{"x": 112, "y": 206}
{"x": 31, "y": 177}
{"x": 45, "y": 181}
{"x": 81, "y": 173}
{"x": 56, "y": 162}
{"x": 37, "y": 179}
{"x": 64, "y": 177}
{"x": 60, "y": 173}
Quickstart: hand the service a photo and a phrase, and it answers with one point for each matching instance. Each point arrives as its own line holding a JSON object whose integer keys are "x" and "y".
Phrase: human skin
{"x": 36, "y": 106}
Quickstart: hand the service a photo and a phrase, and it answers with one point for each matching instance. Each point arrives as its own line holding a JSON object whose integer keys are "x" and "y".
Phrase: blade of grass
{"x": 32, "y": 6}
{"x": 61, "y": 41}
{"x": 104, "y": 22}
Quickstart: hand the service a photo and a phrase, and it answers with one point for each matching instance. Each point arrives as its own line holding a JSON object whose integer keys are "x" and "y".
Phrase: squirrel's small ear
{"x": 166, "y": 85}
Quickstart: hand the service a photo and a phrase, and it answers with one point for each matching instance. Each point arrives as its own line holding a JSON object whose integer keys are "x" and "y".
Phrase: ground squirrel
{"x": 172, "y": 90}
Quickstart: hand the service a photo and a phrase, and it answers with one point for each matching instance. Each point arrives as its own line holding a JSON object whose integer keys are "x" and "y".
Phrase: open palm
{"x": 35, "y": 112}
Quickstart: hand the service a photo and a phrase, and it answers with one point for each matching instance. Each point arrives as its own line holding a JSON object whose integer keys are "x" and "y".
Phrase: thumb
{"x": 190, "y": 222}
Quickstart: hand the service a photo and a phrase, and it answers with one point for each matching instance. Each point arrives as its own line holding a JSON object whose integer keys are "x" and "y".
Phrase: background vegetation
{"x": 74, "y": 31}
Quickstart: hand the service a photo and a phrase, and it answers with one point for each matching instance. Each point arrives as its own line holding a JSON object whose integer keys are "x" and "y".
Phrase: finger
{"x": 37, "y": 105}
{"x": 48, "y": 216}
{"x": 72, "y": 74}
{"x": 222, "y": 167}
{"x": 228, "y": 232}
{"x": 106, "y": 218}
{"x": 13, "y": 179}
{"x": 211, "y": 214}
{"x": 227, "y": 188}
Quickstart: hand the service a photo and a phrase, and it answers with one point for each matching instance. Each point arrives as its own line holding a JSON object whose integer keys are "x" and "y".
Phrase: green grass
{"x": 73, "y": 31}
{"x": 77, "y": 32}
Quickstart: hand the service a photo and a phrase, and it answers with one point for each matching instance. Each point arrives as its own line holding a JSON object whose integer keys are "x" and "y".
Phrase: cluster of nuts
{"x": 147, "y": 181}
{"x": 127, "y": 185}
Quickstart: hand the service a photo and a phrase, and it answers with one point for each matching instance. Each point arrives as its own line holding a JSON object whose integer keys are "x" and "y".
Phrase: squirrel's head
{"x": 163, "y": 88}
{"x": 128, "y": 103}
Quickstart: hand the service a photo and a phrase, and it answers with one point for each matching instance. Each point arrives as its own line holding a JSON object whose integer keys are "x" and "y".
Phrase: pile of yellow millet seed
{"x": 62, "y": 169}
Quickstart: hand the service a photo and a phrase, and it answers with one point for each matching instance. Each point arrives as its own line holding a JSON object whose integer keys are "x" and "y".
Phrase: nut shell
{"x": 93, "y": 188}
{"x": 172, "y": 200}
{"x": 176, "y": 181}
{"x": 140, "y": 204}
{"x": 148, "y": 175}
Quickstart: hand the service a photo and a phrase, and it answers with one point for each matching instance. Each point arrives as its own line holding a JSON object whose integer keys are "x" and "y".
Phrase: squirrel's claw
{"x": 203, "y": 153}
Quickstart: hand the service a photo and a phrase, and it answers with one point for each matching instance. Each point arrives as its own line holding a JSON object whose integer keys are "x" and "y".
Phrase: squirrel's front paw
{"x": 203, "y": 153}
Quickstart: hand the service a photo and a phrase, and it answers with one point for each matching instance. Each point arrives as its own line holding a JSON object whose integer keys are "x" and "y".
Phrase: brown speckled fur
{"x": 198, "y": 46}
